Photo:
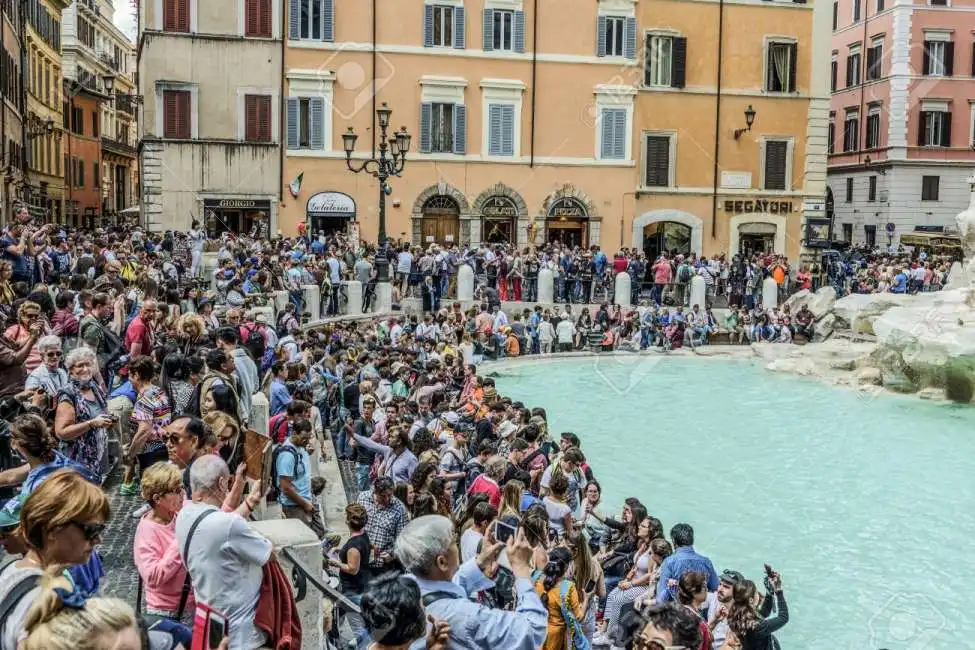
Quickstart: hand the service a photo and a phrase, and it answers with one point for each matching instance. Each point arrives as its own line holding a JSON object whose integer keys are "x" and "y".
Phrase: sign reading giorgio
{"x": 328, "y": 212}
{"x": 758, "y": 205}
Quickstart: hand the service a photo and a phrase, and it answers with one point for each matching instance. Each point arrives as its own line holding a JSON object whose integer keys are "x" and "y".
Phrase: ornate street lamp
{"x": 389, "y": 161}
{"x": 749, "y": 120}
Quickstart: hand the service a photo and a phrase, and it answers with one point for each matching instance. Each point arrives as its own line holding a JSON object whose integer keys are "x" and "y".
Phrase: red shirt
{"x": 620, "y": 264}
{"x": 138, "y": 332}
{"x": 484, "y": 484}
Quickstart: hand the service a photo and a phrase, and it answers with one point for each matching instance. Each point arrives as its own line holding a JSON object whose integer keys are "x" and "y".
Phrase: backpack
{"x": 684, "y": 274}
{"x": 16, "y": 593}
{"x": 275, "y": 490}
{"x": 254, "y": 342}
{"x": 277, "y": 428}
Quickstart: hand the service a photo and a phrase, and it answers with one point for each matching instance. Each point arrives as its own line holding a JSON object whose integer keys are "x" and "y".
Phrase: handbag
{"x": 577, "y": 636}
{"x": 618, "y": 565}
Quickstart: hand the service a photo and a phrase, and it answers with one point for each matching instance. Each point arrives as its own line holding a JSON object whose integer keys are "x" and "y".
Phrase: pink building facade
{"x": 902, "y": 116}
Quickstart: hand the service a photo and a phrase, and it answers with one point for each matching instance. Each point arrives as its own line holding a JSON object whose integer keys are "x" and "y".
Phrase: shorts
{"x": 313, "y": 520}
{"x": 149, "y": 458}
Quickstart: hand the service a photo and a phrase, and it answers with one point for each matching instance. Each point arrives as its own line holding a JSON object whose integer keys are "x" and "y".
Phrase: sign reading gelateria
{"x": 567, "y": 208}
{"x": 758, "y": 205}
{"x": 499, "y": 207}
{"x": 331, "y": 204}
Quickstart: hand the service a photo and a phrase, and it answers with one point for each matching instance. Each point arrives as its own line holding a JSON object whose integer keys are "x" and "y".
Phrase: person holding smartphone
{"x": 750, "y": 625}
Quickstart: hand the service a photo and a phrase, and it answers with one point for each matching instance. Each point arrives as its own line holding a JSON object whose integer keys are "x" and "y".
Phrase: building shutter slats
{"x": 926, "y": 60}
{"x": 793, "y": 65}
{"x": 328, "y": 20}
{"x": 519, "y": 29}
{"x": 775, "y": 164}
{"x": 678, "y": 65}
{"x": 266, "y": 20}
{"x": 922, "y": 128}
{"x": 460, "y": 40}
{"x": 426, "y": 127}
{"x": 949, "y": 58}
{"x": 316, "y": 121}
{"x": 607, "y": 118}
{"x": 251, "y": 119}
{"x": 658, "y": 161}
{"x": 488, "y": 32}
{"x": 184, "y": 115}
{"x": 170, "y": 121}
{"x": 428, "y": 25}
{"x": 293, "y": 118}
{"x": 508, "y": 130}
{"x": 294, "y": 19}
{"x": 601, "y": 36}
{"x": 494, "y": 130}
{"x": 183, "y": 16}
{"x": 619, "y": 137}
{"x": 629, "y": 39}
{"x": 251, "y": 19}
{"x": 946, "y": 129}
{"x": 460, "y": 129}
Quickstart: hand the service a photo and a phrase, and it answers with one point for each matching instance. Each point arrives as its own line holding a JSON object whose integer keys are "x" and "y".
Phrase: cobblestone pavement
{"x": 121, "y": 579}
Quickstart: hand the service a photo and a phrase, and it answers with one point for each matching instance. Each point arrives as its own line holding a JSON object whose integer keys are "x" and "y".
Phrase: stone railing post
{"x": 353, "y": 289}
{"x": 313, "y": 301}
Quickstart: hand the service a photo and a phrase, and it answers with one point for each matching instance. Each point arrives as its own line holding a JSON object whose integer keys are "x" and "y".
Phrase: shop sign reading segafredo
{"x": 331, "y": 204}
{"x": 758, "y": 205}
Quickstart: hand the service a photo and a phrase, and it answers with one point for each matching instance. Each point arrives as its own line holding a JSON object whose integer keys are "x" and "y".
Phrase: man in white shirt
{"x": 225, "y": 556}
{"x": 197, "y": 241}
{"x": 546, "y": 335}
{"x": 565, "y": 331}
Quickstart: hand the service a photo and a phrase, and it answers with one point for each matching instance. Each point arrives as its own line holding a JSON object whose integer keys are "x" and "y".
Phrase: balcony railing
{"x": 126, "y": 105}
{"x": 121, "y": 146}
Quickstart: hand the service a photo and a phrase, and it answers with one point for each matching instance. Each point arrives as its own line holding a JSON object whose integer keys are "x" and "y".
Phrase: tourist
{"x": 355, "y": 555}
{"x": 293, "y": 470}
{"x": 244, "y": 369}
{"x": 427, "y": 550}
{"x": 29, "y": 320}
{"x": 685, "y": 558}
{"x": 398, "y": 461}
{"x": 394, "y": 616}
{"x": 634, "y": 584}
{"x": 692, "y": 592}
{"x": 750, "y": 627}
{"x": 387, "y": 517}
{"x": 150, "y": 415}
{"x": 49, "y": 376}
{"x": 561, "y": 599}
{"x": 482, "y": 517}
{"x": 718, "y": 612}
{"x": 82, "y": 417}
{"x": 222, "y": 553}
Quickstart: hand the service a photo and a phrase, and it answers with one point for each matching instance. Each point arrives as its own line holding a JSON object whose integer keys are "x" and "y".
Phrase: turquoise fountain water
{"x": 864, "y": 504}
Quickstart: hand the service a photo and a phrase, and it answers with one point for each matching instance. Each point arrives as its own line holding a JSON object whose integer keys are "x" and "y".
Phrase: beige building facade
{"x": 588, "y": 123}
{"x": 209, "y": 73}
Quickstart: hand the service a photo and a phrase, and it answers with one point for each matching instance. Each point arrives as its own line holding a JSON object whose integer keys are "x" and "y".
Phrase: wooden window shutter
{"x": 428, "y": 25}
{"x": 949, "y": 58}
{"x": 678, "y": 64}
{"x": 922, "y": 128}
{"x": 775, "y": 164}
{"x": 946, "y": 129}
{"x": 170, "y": 121}
{"x": 460, "y": 129}
{"x": 182, "y": 15}
{"x": 793, "y": 66}
{"x": 183, "y": 129}
{"x": 460, "y": 39}
{"x": 251, "y": 118}
{"x": 169, "y": 15}
{"x": 601, "y": 36}
{"x": 658, "y": 161}
{"x": 267, "y": 19}
{"x": 292, "y": 106}
{"x": 251, "y": 18}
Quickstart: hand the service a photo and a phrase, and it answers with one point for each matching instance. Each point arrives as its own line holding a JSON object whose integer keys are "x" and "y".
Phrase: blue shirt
{"x": 680, "y": 562}
{"x": 21, "y": 267}
{"x": 299, "y": 472}
{"x": 900, "y": 283}
{"x": 475, "y": 627}
{"x": 280, "y": 397}
{"x": 527, "y": 498}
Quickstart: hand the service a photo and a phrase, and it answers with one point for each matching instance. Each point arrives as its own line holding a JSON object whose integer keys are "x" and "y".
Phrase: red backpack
{"x": 277, "y": 428}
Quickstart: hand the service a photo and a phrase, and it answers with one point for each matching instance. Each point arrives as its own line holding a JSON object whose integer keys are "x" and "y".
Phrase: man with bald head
{"x": 139, "y": 336}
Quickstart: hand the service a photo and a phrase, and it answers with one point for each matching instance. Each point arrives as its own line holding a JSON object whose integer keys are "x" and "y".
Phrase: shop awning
{"x": 930, "y": 240}
{"x": 757, "y": 229}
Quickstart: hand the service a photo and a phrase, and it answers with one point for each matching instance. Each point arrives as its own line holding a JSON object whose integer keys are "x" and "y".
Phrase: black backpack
{"x": 254, "y": 342}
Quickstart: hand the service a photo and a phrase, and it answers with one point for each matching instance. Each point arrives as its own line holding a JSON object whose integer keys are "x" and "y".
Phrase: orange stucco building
{"x": 591, "y": 123}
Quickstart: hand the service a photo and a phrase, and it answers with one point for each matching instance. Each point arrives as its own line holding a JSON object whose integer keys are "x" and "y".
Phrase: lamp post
{"x": 389, "y": 162}
{"x": 749, "y": 120}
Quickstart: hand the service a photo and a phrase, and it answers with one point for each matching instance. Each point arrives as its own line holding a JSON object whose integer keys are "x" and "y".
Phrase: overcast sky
{"x": 125, "y": 17}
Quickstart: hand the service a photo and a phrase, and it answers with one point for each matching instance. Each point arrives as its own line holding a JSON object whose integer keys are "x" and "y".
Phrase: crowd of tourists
{"x": 474, "y": 524}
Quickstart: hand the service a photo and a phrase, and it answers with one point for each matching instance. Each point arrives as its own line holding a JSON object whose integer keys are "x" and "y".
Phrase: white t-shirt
{"x": 14, "y": 625}
{"x": 469, "y": 541}
{"x": 225, "y": 561}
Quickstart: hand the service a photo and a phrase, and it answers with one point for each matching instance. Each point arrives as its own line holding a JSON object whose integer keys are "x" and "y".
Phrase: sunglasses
{"x": 645, "y": 644}
{"x": 173, "y": 439}
{"x": 32, "y": 316}
{"x": 90, "y": 531}
{"x": 53, "y": 355}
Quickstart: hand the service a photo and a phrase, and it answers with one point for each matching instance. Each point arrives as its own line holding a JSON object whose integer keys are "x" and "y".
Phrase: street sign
{"x": 891, "y": 227}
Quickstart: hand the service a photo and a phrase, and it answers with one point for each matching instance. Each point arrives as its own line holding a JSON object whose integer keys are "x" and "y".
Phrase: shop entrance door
{"x": 441, "y": 221}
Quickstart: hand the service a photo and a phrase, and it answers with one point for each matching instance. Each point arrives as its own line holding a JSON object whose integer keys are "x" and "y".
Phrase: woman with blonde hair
{"x": 61, "y": 522}
{"x": 588, "y": 578}
{"x": 6, "y": 290}
{"x": 511, "y": 499}
{"x": 28, "y": 314}
{"x": 192, "y": 332}
{"x": 61, "y": 619}
{"x": 230, "y": 442}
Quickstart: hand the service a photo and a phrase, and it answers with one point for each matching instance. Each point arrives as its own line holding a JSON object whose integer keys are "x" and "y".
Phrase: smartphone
{"x": 216, "y": 631}
{"x": 503, "y": 532}
{"x": 769, "y": 572}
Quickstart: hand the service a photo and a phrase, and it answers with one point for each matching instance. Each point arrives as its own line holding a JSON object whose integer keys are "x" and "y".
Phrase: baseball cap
{"x": 732, "y": 577}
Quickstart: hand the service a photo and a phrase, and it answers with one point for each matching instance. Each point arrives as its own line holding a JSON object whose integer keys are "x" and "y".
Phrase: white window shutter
{"x": 508, "y": 130}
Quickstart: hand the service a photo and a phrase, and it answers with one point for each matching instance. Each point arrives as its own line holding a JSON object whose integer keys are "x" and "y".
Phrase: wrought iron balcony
{"x": 121, "y": 147}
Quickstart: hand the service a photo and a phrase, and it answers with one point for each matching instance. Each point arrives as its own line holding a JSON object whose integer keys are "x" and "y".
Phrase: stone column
{"x": 465, "y": 284}
{"x": 280, "y": 300}
{"x": 699, "y": 291}
{"x": 210, "y": 267}
{"x": 300, "y": 541}
{"x": 546, "y": 286}
{"x": 623, "y": 289}
{"x": 120, "y": 434}
{"x": 260, "y": 413}
{"x": 353, "y": 289}
{"x": 313, "y": 301}
{"x": 770, "y": 294}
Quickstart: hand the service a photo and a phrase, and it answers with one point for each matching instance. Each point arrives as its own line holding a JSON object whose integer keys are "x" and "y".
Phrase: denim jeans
{"x": 342, "y": 447}
{"x": 362, "y": 476}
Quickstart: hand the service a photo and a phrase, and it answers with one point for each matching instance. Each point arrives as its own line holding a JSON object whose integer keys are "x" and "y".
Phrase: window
{"x": 851, "y": 131}
{"x": 849, "y": 190}
{"x": 666, "y": 63}
{"x": 875, "y": 56}
{"x": 853, "y": 67}
{"x": 873, "y": 128}
{"x": 831, "y": 136}
{"x": 776, "y": 164}
{"x": 870, "y": 235}
{"x": 616, "y": 36}
{"x": 856, "y": 10}
{"x": 47, "y": 83}
{"x": 77, "y": 120}
{"x": 836, "y": 12}
{"x": 501, "y": 130}
{"x": 443, "y": 128}
{"x": 257, "y": 18}
{"x": 657, "y": 150}
{"x": 504, "y": 30}
{"x": 612, "y": 127}
{"x": 847, "y": 232}
{"x": 872, "y": 188}
{"x": 935, "y": 128}
{"x": 441, "y": 22}
{"x": 312, "y": 20}
{"x": 780, "y": 64}
{"x": 306, "y": 122}
{"x": 176, "y": 18}
{"x": 95, "y": 176}
{"x": 176, "y": 114}
{"x": 81, "y": 172}
{"x": 257, "y": 118}
{"x": 833, "y": 70}
{"x": 929, "y": 188}
{"x": 938, "y": 3}
{"x": 939, "y": 58}
{"x": 94, "y": 124}
{"x": 880, "y": 6}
